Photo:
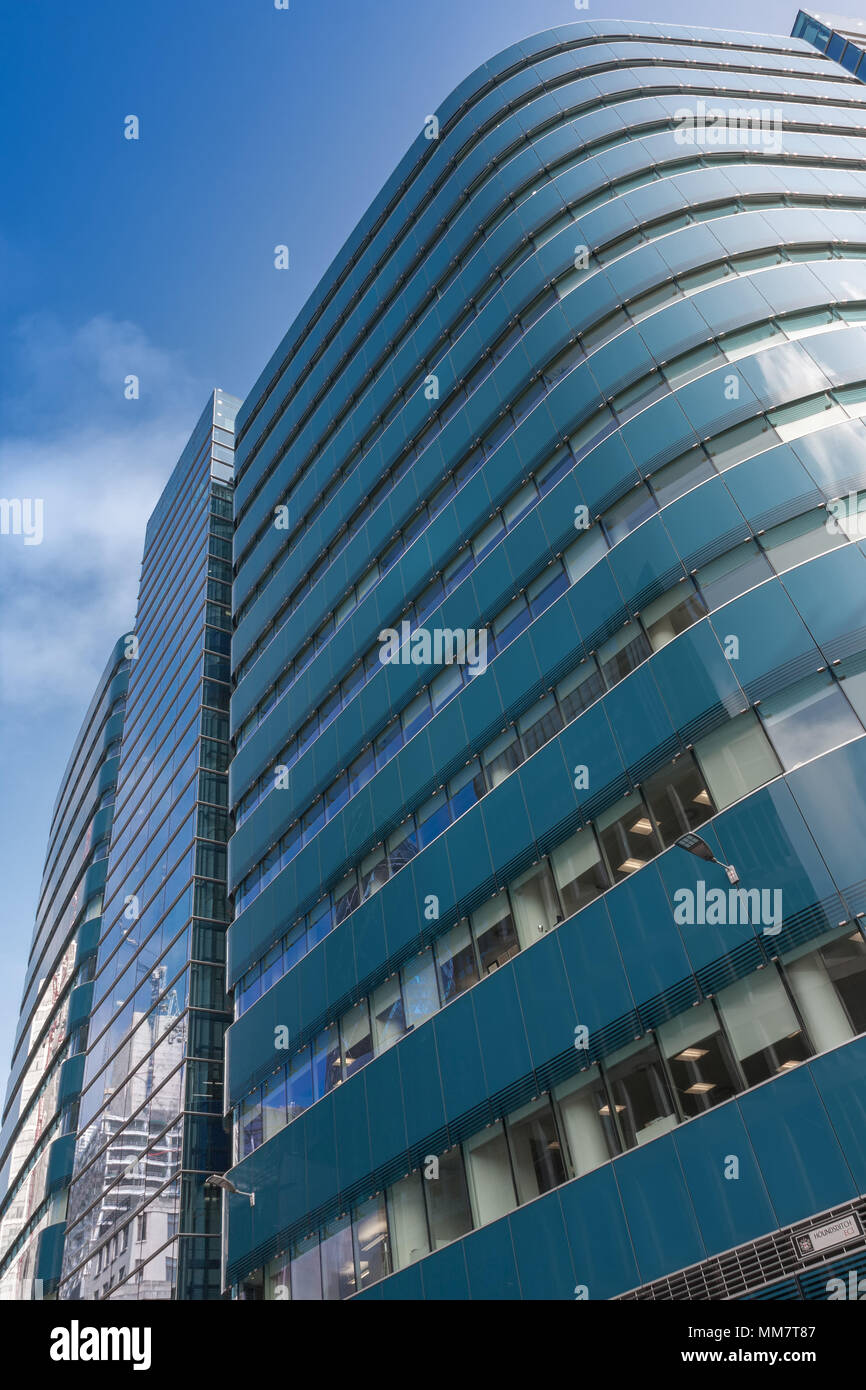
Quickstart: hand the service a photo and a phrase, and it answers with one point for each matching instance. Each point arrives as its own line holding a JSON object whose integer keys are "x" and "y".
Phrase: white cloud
{"x": 99, "y": 463}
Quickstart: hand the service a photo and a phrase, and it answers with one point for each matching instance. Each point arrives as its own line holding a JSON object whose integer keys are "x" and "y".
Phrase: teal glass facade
{"x": 40, "y": 1116}
{"x": 141, "y": 1223}
{"x": 843, "y": 40}
{"x": 591, "y": 380}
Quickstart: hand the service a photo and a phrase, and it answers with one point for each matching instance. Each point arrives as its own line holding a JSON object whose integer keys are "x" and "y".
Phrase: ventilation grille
{"x": 754, "y": 1270}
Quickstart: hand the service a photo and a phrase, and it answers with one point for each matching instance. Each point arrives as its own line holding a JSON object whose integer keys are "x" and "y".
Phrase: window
{"x": 539, "y": 724}
{"x": 579, "y": 872}
{"x": 306, "y": 1269}
{"x": 621, "y": 653}
{"x": 326, "y": 1061}
{"x": 501, "y": 757}
{"x": 433, "y": 817}
{"x": 639, "y": 1092}
{"x": 466, "y": 788}
{"x": 274, "y": 1104}
{"x": 319, "y": 919}
{"x": 374, "y": 872}
{"x": 583, "y": 553}
{"x": 408, "y": 1221}
{"x": 420, "y": 992}
{"x": 678, "y": 798}
{"x": 732, "y": 574}
{"x": 357, "y": 1038}
{"x": 741, "y": 442}
{"x": 448, "y": 1210}
{"x": 579, "y": 690}
{"x": 386, "y": 1007}
{"x": 536, "y": 1151}
{"x": 699, "y": 1059}
{"x": 455, "y": 960}
{"x": 800, "y": 539}
{"x": 763, "y": 1028}
{"x": 488, "y": 1173}
{"x": 671, "y": 614}
{"x": 736, "y": 759}
{"x": 251, "y": 1124}
{"x": 495, "y": 933}
{"x": 807, "y": 719}
{"x": 627, "y": 514}
{"x": 585, "y": 1122}
{"x": 680, "y": 476}
{"x": 370, "y": 1236}
{"x": 829, "y": 986}
{"x": 299, "y": 1083}
{"x": 338, "y": 1260}
{"x": 627, "y": 836}
{"x": 535, "y": 903}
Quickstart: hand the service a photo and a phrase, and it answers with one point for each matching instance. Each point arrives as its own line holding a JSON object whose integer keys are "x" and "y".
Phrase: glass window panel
{"x": 299, "y": 1083}
{"x": 807, "y": 719}
{"x": 852, "y": 673}
{"x": 679, "y": 477}
{"x": 347, "y": 896}
{"x": 251, "y": 1123}
{"x": 416, "y": 714}
{"x": 448, "y": 1209}
{"x": 408, "y": 1221}
{"x": 741, "y": 442}
{"x": 495, "y": 933}
{"x": 433, "y": 817}
{"x": 699, "y": 1060}
{"x": 488, "y": 1172}
{"x": 274, "y": 1104}
{"x": 539, "y": 725}
{"x": 678, "y": 798}
{"x": 326, "y": 1061}
{"x": 501, "y": 757}
{"x": 338, "y": 1260}
{"x": 800, "y": 539}
{"x": 361, "y": 770}
{"x": 732, "y": 574}
{"x": 445, "y": 686}
{"x": 810, "y": 975}
{"x": 627, "y": 836}
{"x": 466, "y": 788}
{"x": 578, "y": 691}
{"x": 389, "y": 1020}
{"x": 670, "y": 614}
{"x": 628, "y": 514}
{"x": 579, "y": 871}
{"x": 762, "y": 1026}
{"x": 583, "y": 553}
{"x": 357, "y": 1038}
{"x": 639, "y": 1093}
{"x": 320, "y": 919}
{"x": 306, "y": 1269}
{"x": 535, "y": 903}
{"x": 590, "y": 1136}
{"x": 372, "y": 1248}
{"x": 420, "y": 991}
{"x": 455, "y": 960}
{"x": 402, "y": 846}
{"x": 736, "y": 758}
{"x": 374, "y": 872}
{"x": 536, "y": 1151}
{"x": 621, "y": 653}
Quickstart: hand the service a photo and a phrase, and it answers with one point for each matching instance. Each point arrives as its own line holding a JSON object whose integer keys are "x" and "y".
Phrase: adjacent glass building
{"x": 141, "y": 1224}
{"x": 583, "y": 395}
{"x": 40, "y": 1117}
{"x": 843, "y": 40}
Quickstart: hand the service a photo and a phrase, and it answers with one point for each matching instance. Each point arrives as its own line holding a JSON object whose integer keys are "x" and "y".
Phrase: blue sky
{"x": 155, "y": 257}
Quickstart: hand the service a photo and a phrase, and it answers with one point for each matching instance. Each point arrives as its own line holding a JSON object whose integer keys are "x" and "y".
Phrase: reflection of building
{"x": 595, "y": 389}
{"x": 141, "y": 1223}
{"x": 41, "y": 1113}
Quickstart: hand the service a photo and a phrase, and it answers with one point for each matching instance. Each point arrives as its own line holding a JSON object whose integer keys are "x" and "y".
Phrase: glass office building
{"x": 141, "y": 1223}
{"x": 40, "y": 1117}
{"x": 579, "y": 408}
{"x": 843, "y": 40}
